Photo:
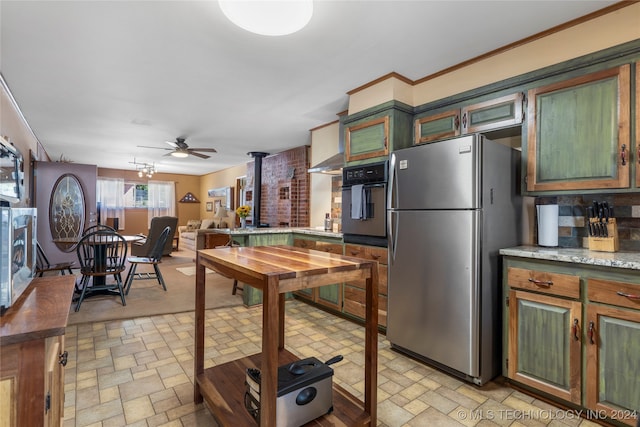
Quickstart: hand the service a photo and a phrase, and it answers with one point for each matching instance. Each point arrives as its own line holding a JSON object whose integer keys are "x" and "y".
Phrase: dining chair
{"x": 154, "y": 257}
{"x": 43, "y": 265}
{"x": 99, "y": 227}
{"x": 101, "y": 254}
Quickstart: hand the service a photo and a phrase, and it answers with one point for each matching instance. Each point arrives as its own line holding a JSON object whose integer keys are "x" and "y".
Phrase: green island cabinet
{"x": 329, "y": 295}
{"x": 578, "y": 133}
{"x": 491, "y": 114}
{"x": 572, "y": 333}
{"x": 375, "y": 132}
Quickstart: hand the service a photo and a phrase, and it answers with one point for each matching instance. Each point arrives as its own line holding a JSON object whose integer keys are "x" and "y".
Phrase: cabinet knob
{"x": 544, "y": 283}
{"x": 623, "y": 154}
{"x": 591, "y": 332}
{"x": 575, "y": 330}
{"x": 638, "y": 157}
{"x": 630, "y": 296}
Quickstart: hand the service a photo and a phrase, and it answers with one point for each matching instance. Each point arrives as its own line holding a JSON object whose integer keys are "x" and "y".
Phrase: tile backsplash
{"x": 572, "y": 230}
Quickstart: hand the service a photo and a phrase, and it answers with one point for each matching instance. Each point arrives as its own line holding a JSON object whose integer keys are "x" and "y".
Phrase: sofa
{"x": 192, "y": 235}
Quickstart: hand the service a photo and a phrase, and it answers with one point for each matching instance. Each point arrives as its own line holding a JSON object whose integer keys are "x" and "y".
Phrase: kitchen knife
{"x": 596, "y": 224}
{"x": 589, "y": 224}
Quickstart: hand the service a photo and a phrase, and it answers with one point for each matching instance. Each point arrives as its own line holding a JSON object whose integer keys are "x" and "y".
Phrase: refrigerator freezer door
{"x": 440, "y": 175}
{"x": 433, "y": 286}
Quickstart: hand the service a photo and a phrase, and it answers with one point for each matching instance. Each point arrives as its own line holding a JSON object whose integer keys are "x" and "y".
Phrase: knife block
{"x": 605, "y": 244}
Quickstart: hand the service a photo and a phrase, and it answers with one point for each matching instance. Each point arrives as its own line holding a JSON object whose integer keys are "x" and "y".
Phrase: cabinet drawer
{"x": 304, "y": 243}
{"x": 332, "y": 248}
{"x": 615, "y": 293}
{"x": 543, "y": 281}
{"x": 367, "y": 252}
{"x": 354, "y": 304}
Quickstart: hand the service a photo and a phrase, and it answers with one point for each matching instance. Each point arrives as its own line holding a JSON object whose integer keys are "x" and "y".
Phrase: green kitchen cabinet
{"x": 544, "y": 333}
{"x": 483, "y": 116}
{"x": 578, "y": 133}
{"x": 370, "y": 135}
{"x": 613, "y": 346}
{"x": 330, "y": 295}
{"x": 572, "y": 331}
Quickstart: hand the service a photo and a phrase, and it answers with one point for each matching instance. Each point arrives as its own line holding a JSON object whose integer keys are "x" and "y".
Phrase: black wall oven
{"x": 364, "y": 197}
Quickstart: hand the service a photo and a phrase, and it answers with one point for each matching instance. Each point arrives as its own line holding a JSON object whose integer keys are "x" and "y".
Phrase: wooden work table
{"x": 276, "y": 270}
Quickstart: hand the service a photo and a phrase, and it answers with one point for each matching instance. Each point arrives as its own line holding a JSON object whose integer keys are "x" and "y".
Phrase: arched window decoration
{"x": 67, "y": 212}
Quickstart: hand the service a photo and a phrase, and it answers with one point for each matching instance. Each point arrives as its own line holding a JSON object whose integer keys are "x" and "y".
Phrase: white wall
{"x": 324, "y": 144}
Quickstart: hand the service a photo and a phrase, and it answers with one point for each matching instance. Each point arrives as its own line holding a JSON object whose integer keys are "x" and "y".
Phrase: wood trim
{"x": 574, "y": 392}
{"x": 592, "y": 376}
{"x": 636, "y": 157}
{"x": 623, "y": 75}
{"x": 391, "y": 75}
{"x": 324, "y": 125}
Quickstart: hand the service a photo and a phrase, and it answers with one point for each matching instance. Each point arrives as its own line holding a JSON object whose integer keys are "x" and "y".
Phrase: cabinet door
{"x": 437, "y": 126}
{"x": 544, "y": 343}
{"x": 493, "y": 114}
{"x": 613, "y": 362}
{"x": 54, "y": 381}
{"x": 578, "y": 133}
{"x": 367, "y": 140}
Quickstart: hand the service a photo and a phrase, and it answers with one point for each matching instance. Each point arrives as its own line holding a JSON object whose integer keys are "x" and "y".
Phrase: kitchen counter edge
{"x": 277, "y": 230}
{"x": 628, "y": 260}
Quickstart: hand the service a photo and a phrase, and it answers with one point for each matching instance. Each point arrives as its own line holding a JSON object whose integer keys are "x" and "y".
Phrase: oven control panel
{"x": 364, "y": 174}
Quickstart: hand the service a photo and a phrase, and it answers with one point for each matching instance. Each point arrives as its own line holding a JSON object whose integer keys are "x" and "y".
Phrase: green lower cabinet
{"x": 250, "y": 295}
{"x": 613, "y": 361}
{"x": 544, "y": 337}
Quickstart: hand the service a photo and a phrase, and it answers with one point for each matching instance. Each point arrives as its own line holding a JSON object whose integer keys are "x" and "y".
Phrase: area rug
{"x": 147, "y": 298}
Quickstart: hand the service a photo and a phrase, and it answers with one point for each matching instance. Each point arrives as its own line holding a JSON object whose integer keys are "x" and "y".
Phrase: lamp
{"x": 268, "y": 17}
{"x": 220, "y": 213}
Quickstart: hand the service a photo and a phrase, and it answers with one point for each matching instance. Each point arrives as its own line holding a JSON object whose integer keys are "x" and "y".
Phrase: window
{"x": 136, "y": 195}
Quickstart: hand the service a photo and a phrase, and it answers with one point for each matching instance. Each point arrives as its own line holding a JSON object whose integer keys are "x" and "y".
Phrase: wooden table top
{"x": 285, "y": 262}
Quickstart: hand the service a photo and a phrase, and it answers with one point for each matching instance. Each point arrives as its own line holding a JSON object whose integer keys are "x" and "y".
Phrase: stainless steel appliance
{"x": 364, "y": 195}
{"x": 452, "y": 205}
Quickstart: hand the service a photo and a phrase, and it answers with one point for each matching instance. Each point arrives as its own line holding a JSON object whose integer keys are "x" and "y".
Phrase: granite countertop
{"x": 277, "y": 230}
{"x": 630, "y": 260}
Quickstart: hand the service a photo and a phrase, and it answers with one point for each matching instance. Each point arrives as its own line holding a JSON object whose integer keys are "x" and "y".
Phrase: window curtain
{"x": 161, "y": 199}
{"x": 110, "y": 195}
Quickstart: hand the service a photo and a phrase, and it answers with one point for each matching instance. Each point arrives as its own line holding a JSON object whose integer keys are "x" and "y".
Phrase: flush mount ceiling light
{"x": 268, "y": 17}
{"x": 179, "y": 154}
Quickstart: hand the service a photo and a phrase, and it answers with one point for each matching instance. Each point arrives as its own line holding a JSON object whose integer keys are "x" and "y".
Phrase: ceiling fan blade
{"x": 206, "y": 150}
{"x": 171, "y": 143}
{"x": 158, "y": 148}
{"x": 202, "y": 156}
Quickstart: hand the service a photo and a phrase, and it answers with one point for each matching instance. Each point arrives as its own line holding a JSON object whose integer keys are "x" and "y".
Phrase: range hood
{"x": 333, "y": 165}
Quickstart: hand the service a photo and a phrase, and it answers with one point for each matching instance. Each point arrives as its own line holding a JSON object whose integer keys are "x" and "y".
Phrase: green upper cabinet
{"x": 437, "y": 126}
{"x": 373, "y": 133}
{"x": 483, "y": 116}
{"x": 493, "y": 114}
{"x": 578, "y": 133}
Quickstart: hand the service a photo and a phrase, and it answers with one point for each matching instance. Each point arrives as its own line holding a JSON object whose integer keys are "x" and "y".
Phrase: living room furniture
{"x": 158, "y": 224}
{"x": 101, "y": 254}
{"x": 193, "y": 235}
{"x": 154, "y": 258}
{"x": 33, "y": 357}
{"x": 277, "y": 270}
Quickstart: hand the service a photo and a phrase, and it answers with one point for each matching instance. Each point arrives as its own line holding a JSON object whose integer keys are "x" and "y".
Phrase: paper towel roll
{"x": 547, "y": 225}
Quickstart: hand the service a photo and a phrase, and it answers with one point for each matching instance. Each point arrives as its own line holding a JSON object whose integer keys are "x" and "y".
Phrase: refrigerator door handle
{"x": 392, "y": 182}
{"x": 393, "y": 235}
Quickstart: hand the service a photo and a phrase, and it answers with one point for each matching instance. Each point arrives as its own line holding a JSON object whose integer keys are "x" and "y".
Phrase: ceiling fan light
{"x": 140, "y": 174}
{"x": 179, "y": 154}
{"x": 268, "y": 17}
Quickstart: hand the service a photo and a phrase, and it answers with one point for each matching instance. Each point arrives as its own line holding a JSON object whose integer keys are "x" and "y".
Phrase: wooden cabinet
{"x": 587, "y": 118}
{"x": 544, "y": 332}
{"x": 637, "y": 124}
{"x": 33, "y": 357}
{"x": 612, "y": 345}
{"x": 573, "y": 332}
{"x": 354, "y": 291}
{"x": 373, "y": 133}
{"x": 328, "y": 295}
{"x": 479, "y": 117}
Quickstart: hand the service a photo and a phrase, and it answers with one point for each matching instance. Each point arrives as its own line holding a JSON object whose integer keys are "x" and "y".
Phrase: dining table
{"x": 277, "y": 271}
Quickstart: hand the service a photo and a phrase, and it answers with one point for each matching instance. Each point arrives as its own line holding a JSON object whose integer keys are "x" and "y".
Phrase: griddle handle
{"x": 334, "y": 359}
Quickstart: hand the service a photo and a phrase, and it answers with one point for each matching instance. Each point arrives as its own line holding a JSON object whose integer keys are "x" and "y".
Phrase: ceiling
{"x": 97, "y": 79}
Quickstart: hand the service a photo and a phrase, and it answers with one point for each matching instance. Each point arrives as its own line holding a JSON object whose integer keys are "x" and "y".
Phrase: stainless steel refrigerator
{"x": 452, "y": 205}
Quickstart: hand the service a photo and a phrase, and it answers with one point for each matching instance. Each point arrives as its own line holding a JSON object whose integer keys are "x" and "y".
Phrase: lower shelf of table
{"x": 223, "y": 389}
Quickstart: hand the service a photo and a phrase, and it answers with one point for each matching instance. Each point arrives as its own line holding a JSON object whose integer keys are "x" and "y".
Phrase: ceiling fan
{"x": 181, "y": 149}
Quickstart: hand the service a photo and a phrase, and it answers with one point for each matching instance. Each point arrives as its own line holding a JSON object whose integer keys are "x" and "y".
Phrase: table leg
{"x": 270, "y": 344}
{"x": 371, "y": 346}
{"x": 198, "y": 359}
{"x": 281, "y": 302}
